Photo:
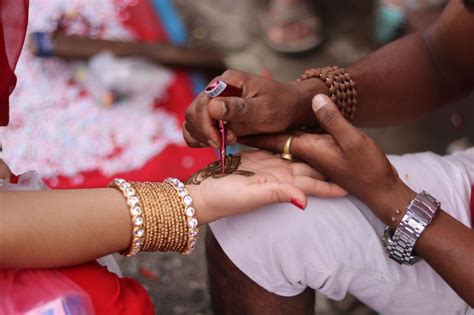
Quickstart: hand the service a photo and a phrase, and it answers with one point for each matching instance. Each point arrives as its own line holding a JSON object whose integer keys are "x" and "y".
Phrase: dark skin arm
{"x": 352, "y": 160}
{"x": 400, "y": 82}
{"x": 419, "y": 73}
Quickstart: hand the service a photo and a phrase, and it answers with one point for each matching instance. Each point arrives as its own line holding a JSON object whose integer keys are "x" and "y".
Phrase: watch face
{"x": 215, "y": 88}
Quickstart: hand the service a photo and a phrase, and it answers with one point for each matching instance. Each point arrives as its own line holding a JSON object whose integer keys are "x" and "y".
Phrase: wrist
{"x": 391, "y": 207}
{"x": 306, "y": 90}
{"x": 202, "y": 214}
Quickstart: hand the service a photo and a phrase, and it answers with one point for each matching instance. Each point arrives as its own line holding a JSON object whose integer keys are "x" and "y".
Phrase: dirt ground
{"x": 178, "y": 283}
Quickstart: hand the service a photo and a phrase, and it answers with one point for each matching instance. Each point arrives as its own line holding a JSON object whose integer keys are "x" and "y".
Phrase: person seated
{"x": 272, "y": 261}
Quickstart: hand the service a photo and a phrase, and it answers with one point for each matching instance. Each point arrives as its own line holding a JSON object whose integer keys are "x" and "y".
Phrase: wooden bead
{"x": 340, "y": 85}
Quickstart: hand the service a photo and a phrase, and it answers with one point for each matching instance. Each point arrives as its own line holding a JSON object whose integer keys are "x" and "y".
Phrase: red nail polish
{"x": 297, "y": 203}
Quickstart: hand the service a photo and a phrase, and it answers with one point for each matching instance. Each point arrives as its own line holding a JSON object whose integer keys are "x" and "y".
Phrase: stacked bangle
{"x": 341, "y": 87}
{"x": 189, "y": 211}
{"x": 138, "y": 230}
{"x": 163, "y": 218}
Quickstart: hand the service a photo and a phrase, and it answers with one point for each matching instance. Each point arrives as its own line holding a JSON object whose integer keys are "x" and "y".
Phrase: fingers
{"x": 190, "y": 140}
{"x": 303, "y": 169}
{"x": 331, "y": 119}
{"x": 318, "y": 188}
{"x": 228, "y": 108}
{"x": 200, "y": 127}
{"x": 271, "y": 193}
{"x": 234, "y": 77}
{"x": 303, "y": 146}
{"x": 272, "y": 143}
{"x": 231, "y": 137}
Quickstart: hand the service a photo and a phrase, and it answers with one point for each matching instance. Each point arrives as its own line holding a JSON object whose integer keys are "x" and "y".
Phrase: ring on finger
{"x": 285, "y": 154}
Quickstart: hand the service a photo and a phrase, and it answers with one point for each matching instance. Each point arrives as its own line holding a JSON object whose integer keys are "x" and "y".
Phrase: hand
{"x": 5, "y": 172}
{"x": 266, "y": 106}
{"x": 348, "y": 157}
{"x": 275, "y": 181}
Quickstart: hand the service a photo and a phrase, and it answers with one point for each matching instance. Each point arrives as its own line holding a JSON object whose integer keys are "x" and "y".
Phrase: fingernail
{"x": 230, "y": 135}
{"x": 203, "y": 144}
{"x": 212, "y": 144}
{"x": 297, "y": 203}
{"x": 319, "y": 101}
{"x": 222, "y": 106}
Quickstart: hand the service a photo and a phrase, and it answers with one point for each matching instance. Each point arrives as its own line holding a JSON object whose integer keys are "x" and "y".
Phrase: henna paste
{"x": 214, "y": 170}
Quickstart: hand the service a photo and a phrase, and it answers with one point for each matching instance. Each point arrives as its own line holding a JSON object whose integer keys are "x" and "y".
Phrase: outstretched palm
{"x": 274, "y": 181}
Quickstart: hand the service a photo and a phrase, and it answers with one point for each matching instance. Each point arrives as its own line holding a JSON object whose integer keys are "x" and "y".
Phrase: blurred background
{"x": 81, "y": 116}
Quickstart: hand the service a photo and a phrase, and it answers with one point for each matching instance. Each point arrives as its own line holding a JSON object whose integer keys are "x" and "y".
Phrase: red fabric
{"x": 13, "y": 22}
{"x": 109, "y": 293}
{"x": 169, "y": 163}
{"x": 144, "y": 22}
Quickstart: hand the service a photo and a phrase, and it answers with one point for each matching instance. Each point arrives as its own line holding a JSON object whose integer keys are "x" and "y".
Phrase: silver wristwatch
{"x": 399, "y": 244}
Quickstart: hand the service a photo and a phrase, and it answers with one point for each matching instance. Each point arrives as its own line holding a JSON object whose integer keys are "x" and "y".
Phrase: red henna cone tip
{"x": 297, "y": 203}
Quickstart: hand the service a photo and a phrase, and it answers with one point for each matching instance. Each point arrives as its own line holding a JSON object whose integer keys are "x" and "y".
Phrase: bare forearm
{"x": 418, "y": 73}
{"x": 395, "y": 84}
{"x": 62, "y": 227}
{"x": 412, "y": 76}
{"x": 448, "y": 246}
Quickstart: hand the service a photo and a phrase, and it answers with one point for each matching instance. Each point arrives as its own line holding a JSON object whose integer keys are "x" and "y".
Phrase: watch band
{"x": 399, "y": 244}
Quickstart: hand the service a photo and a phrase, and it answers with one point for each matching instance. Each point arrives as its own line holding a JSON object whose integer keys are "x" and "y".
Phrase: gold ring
{"x": 286, "y": 155}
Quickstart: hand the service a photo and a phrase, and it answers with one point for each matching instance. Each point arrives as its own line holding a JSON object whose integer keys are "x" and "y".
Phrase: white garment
{"x": 334, "y": 245}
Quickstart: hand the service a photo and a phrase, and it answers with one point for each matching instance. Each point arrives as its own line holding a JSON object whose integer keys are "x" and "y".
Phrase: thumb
{"x": 228, "y": 108}
{"x": 271, "y": 193}
{"x": 331, "y": 119}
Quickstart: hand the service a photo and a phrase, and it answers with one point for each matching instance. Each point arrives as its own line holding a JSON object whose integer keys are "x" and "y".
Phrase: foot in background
{"x": 292, "y": 26}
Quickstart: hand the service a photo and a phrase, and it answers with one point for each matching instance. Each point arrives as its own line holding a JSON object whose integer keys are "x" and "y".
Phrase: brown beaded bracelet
{"x": 341, "y": 87}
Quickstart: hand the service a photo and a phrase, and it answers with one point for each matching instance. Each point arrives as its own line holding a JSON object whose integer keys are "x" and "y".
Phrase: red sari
{"x": 109, "y": 293}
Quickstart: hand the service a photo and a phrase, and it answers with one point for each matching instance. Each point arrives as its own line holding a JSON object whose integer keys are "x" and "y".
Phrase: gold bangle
{"x": 136, "y": 214}
{"x": 162, "y": 216}
{"x": 166, "y": 223}
{"x": 191, "y": 229}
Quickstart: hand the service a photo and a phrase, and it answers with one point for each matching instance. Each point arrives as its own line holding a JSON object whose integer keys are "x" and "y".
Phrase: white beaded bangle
{"x": 189, "y": 212}
{"x": 137, "y": 218}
